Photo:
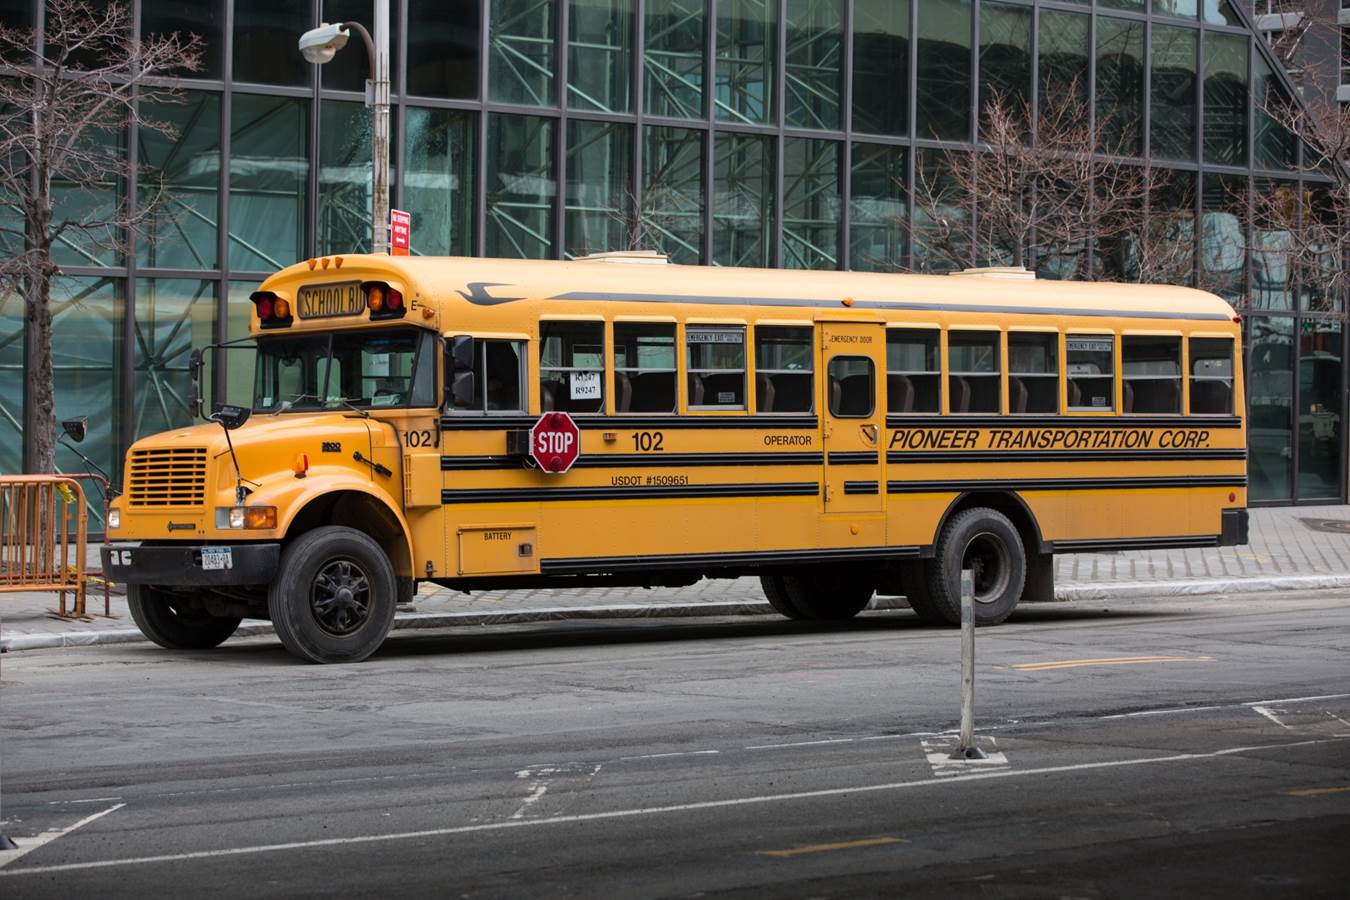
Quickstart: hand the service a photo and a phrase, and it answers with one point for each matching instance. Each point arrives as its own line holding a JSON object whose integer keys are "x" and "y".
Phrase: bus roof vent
{"x": 1017, "y": 273}
{"x": 640, "y": 257}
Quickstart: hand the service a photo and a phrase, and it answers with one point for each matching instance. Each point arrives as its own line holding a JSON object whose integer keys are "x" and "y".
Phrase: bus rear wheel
{"x": 173, "y": 621}
{"x": 829, "y": 596}
{"x": 334, "y": 597}
{"x": 986, "y": 542}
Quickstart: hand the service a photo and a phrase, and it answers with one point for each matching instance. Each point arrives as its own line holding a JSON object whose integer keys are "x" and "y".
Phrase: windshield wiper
{"x": 285, "y": 405}
{"x": 346, "y": 401}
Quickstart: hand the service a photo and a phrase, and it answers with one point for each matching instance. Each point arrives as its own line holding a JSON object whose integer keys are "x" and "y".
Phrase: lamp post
{"x": 319, "y": 45}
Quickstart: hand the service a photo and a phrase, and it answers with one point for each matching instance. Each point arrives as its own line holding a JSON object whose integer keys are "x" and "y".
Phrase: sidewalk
{"x": 1301, "y": 548}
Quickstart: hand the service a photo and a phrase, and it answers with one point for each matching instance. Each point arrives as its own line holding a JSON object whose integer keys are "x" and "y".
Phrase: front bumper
{"x": 180, "y": 565}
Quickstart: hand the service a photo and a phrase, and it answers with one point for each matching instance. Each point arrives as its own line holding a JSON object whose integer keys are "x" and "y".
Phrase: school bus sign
{"x": 555, "y": 442}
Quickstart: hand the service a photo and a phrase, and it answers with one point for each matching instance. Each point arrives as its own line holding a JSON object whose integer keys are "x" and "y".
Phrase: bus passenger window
{"x": 913, "y": 375}
{"x": 972, "y": 361}
{"x": 644, "y": 367}
{"x": 852, "y": 390}
{"x": 1150, "y": 370}
{"x": 783, "y": 370}
{"x": 499, "y": 377}
{"x": 715, "y": 361}
{"x": 572, "y": 366}
{"x": 1211, "y": 376}
{"x": 1033, "y": 373}
{"x": 1091, "y": 371}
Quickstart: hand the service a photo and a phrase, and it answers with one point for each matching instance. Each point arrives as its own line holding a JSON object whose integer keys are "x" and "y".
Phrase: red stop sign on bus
{"x": 555, "y": 442}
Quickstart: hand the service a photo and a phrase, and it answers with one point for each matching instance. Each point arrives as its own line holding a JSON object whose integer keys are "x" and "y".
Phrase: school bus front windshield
{"x": 367, "y": 368}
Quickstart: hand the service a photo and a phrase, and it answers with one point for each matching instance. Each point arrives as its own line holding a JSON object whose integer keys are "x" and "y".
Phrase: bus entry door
{"x": 853, "y": 420}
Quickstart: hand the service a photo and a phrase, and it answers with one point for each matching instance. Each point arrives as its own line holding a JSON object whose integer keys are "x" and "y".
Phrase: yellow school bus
{"x": 835, "y": 434}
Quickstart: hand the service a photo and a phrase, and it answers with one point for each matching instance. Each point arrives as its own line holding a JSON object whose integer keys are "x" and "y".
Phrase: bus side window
{"x": 715, "y": 362}
{"x": 783, "y": 370}
{"x": 973, "y": 379}
{"x": 1091, "y": 370}
{"x": 913, "y": 372}
{"x": 645, "y": 372}
{"x": 499, "y": 377}
{"x": 1150, "y": 369}
{"x": 1211, "y": 376}
{"x": 1033, "y": 372}
{"x": 852, "y": 387}
{"x": 572, "y": 366}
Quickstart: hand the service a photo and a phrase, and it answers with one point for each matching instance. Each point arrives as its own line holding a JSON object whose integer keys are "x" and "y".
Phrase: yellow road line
{"x": 1112, "y": 661}
{"x": 1320, "y": 792}
{"x": 826, "y": 848}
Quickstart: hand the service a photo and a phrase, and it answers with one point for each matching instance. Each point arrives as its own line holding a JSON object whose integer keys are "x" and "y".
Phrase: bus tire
{"x": 776, "y": 593}
{"x": 914, "y": 585}
{"x": 985, "y": 541}
{"x": 166, "y": 619}
{"x": 829, "y": 596}
{"x": 334, "y": 597}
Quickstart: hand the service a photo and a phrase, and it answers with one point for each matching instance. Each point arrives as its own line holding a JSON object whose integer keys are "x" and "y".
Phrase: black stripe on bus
{"x": 588, "y": 422}
{"x": 639, "y": 492}
{"x": 1030, "y": 456}
{"x": 593, "y": 564}
{"x": 861, "y": 487}
{"x": 1064, "y": 484}
{"x": 920, "y": 305}
{"x": 1097, "y": 545}
{"x": 645, "y": 460}
{"x": 1011, "y": 422}
{"x": 854, "y": 458}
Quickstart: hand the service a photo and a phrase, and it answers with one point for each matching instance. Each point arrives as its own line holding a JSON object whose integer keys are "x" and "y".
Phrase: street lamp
{"x": 318, "y": 46}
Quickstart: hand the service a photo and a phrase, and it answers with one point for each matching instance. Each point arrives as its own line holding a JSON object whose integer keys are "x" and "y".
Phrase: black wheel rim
{"x": 340, "y": 597}
{"x": 988, "y": 560}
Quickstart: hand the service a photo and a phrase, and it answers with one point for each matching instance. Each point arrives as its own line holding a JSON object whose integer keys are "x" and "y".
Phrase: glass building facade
{"x": 724, "y": 132}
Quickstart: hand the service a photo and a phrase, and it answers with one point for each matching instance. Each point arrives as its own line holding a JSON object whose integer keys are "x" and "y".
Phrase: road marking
{"x": 28, "y": 845}
{"x": 1111, "y": 661}
{"x": 939, "y": 755}
{"x": 669, "y": 755}
{"x": 1265, "y": 711}
{"x": 540, "y": 776}
{"x": 826, "y": 848}
{"x": 90, "y": 800}
{"x": 799, "y": 744}
{"x": 1296, "y": 700}
{"x": 1320, "y": 792}
{"x": 656, "y": 810}
{"x": 1161, "y": 712}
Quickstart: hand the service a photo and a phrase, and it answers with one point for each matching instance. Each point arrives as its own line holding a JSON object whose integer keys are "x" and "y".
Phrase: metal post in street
{"x": 318, "y": 45}
{"x": 966, "y": 749}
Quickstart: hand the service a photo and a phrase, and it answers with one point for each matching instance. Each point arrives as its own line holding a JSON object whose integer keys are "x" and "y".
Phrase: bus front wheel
{"x": 828, "y": 596}
{"x": 987, "y": 543}
{"x": 172, "y": 620}
{"x": 334, "y": 597}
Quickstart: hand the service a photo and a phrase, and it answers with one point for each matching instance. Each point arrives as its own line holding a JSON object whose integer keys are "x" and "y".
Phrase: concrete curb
{"x": 409, "y": 621}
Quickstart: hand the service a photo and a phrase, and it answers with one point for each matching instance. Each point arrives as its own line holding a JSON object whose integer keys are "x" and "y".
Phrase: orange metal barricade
{"x": 43, "y": 537}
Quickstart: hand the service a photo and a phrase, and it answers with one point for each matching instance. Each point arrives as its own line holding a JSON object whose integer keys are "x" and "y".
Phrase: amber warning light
{"x": 273, "y": 311}
{"x": 383, "y": 301}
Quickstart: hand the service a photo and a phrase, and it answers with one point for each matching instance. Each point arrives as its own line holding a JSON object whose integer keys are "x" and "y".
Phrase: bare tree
{"x": 67, "y": 106}
{"x": 1039, "y": 188}
{"x": 1307, "y": 234}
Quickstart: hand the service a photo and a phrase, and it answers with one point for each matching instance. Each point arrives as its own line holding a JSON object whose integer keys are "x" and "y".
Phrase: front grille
{"x": 168, "y": 477}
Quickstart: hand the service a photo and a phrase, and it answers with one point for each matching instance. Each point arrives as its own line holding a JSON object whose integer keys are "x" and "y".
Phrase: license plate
{"x": 215, "y": 558}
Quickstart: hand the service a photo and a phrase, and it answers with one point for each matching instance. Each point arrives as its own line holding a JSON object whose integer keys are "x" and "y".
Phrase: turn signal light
{"x": 383, "y": 301}
{"x": 273, "y": 311}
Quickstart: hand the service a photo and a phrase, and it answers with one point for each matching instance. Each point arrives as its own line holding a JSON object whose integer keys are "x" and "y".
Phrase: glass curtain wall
{"x": 746, "y": 132}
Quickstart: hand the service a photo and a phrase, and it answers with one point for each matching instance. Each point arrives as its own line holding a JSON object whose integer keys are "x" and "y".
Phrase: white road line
{"x": 939, "y": 754}
{"x": 670, "y": 755}
{"x": 28, "y": 845}
{"x": 652, "y": 810}
{"x": 90, "y": 800}
{"x": 799, "y": 744}
{"x": 1161, "y": 712}
{"x": 1295, "y": 700}
{"x": 1270, "y": 715}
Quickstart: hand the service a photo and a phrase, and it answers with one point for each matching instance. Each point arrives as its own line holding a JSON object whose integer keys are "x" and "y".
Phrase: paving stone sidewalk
{"x": 1292, "y": 548}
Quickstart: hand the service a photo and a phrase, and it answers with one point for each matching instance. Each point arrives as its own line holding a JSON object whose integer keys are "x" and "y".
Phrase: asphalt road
{"x": 1176, "y": 748}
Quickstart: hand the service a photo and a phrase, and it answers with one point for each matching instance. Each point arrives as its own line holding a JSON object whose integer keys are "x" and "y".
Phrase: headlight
{"x": 256, "y": 518}
{"x": 114, "y": 518}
